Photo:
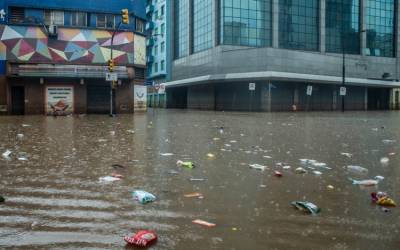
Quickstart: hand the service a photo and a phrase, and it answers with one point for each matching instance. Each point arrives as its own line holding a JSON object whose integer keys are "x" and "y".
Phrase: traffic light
{"x": 125, "y": 16}
{"x": 111, "y": 65}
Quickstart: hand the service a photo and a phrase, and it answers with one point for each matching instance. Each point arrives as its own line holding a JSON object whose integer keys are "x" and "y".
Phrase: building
{"x": 54, "y": 56}
{"x": 158, "y": 31}
{"x": 279, "y": 55}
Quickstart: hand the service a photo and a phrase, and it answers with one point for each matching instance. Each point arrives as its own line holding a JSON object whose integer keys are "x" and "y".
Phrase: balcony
{"x": 149, "y": 25}
{"x": 149, "y": 9}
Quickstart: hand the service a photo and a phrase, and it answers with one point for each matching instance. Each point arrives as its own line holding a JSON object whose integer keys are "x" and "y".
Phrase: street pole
{"x": 344, "y": 56}
{"x": 112, "y": 84}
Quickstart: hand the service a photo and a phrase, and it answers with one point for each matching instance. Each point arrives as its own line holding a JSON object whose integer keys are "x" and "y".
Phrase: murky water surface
{"x": 54, "y": 199}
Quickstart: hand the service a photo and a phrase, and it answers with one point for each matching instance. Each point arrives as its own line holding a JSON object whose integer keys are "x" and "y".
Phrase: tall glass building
{"x": 300, "y": 54}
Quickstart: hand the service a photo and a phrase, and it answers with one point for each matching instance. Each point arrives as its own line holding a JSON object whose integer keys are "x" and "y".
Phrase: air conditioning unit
{"x": 52, "y": 30}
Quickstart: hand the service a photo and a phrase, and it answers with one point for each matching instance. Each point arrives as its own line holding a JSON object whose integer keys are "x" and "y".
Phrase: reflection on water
{"x": 55, "y": 201}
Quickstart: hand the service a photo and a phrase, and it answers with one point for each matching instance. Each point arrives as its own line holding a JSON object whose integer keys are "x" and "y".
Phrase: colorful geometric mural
{"x": 31, "y": 44}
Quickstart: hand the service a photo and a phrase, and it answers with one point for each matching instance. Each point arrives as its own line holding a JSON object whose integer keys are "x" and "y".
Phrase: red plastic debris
{"x": 278, "y": 174}
{"x": 142, "y": 238}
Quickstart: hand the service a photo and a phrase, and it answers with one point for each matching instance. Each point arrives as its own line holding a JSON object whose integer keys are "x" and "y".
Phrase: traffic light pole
{"x": 112, "y": 83}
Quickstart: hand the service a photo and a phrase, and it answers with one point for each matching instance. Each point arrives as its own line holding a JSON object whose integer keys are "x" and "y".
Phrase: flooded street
{"x": 54, "y": 199}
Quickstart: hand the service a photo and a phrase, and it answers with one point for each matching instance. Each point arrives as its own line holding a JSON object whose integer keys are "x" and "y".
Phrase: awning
{"x": 281, "y": 76}
{"x": 59, "y": 70}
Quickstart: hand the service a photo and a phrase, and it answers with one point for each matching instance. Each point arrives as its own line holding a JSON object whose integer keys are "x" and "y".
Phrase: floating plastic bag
{"x": 357, "y": 169}
{"x": 143, "y": 196}
{"x": 306, "y": 206}
{"x": 365, "y": 182}
{"x": 300, "y": 170}
{"x": 142, "y": 238}
{"x": 204, "y": 223}
{"x": 186, "y": 164}
{"x": 258, "y": 167}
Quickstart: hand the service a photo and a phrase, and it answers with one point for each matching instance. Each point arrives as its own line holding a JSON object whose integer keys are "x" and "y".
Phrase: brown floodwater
{"x": 54, "y": 199}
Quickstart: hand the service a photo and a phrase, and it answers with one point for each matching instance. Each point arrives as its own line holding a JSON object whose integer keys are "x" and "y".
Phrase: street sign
{"x": 111, "y": 77}
{"x": 252, "y": 86}
{"x": 309, "y": 90}
{"x": 342, "y": 91}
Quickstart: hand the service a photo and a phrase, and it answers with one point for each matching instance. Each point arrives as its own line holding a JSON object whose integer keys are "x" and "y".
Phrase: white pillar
{"x": 322, "y": 25}
{"x": 363, "y": 40}
{"x": 275, "y": 23}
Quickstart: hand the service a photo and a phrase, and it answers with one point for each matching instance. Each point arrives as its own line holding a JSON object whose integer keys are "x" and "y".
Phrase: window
{"x": 162, "y": 65}
{"x": 156, "y": 31}
{"x": 155, "y": 15}
{"x": 202, "y": 25}
{"x": 105, "y": 21}
{"x": 53, "y": 17}
{"x": 17, "y": 15}
{"x": 181, "y": 19}
{"x": 162, "y": 47}
{"x": 299, "y": 24}
{"x": 343, "y": 22}
{"x": 162, "y": 28}
{"x": 78, "y": 19}
{"x": 162, "y": 10}
{"x": 155, "y": 50}
{"x": 139, "y": 25}
{"x": 380, "y": 27}
{"x": 247, "y": 22}
{"x": 155, "y": 67}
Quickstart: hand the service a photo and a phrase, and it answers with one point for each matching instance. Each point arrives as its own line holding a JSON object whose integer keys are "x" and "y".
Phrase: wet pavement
{"x": 54, "y": 199}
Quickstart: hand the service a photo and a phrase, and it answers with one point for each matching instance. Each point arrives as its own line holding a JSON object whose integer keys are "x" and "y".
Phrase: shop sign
{"x": 140, "y": 97}
{"x": 59, "y": 100}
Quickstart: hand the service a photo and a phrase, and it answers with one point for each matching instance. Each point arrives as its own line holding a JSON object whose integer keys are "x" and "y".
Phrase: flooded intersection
{"x": 54, "y": 199}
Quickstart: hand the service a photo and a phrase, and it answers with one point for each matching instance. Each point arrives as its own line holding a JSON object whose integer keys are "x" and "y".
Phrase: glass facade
{"x": 181, "y": 24}
{"x": 343, "y": 22}
{"x": 380, "y": 27}
{"x": 246, "y": 22}
{"x": 299, "y": 24}
{"x": 202, "y": 25}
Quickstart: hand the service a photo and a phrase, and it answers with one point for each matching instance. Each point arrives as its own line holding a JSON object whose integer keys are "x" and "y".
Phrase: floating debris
{"x": 357, "y": 169}
{"x": 142, "y": 238}
{"x": 193, "y": 195}
{"x": 166, "y": 154}
{"x": 330, "y": 187}
{"x": 300, "y": 170}
{"x": 109, "y": 179}
{"x": 204, "y": 223}
{"x": 347, "y": 155}
{"x": 7, "y": 154}
{"x": 384, "y": 160}
{"x": 306, "y": 206}
{"x": 143, "y": 196}
{"x": 258, "y": 167}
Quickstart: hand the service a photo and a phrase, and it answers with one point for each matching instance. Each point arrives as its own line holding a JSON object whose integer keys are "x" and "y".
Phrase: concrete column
{"x": 322, "y": 33}
{"x": 397, "y": 37}
{"x": 334, "y": 99}
{"x": 170, "y": 35}
{"x": 275, "y": 23}
{"x": 363, "y": 40}
{"x": 366, "y": 99}
{"x": 216, "y": 10}
{"x": 190, "y": 26}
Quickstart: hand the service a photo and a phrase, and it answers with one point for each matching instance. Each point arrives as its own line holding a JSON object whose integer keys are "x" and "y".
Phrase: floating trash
{"x": 204, "y": 223}
{"x": 300, "y": 170}
{"x": 364, "y": 182}
{"x": 186, "y": 164}
{"x": 388, "y": 141}
{"x": 166, "y": 154}
{"x": 382, "y": 199}
{"x": 317, "y": 172}
{"x": 109, "y": 179}
{"x": 20, "y": 136}
{"x": 258, "y": 167}
{"x": 357, "y": 169}
{"x": 197, "y": 179}
{"x": 142, "y": 238}
{"x": 330, "y": 187}
{"x": 286, "y": 167}
{"x": 7, "y": 154}
{"x": 143, "y": 196}
{"x": 347, "y": 155}
{"x": 267, "y": 157}
{"x": 209, "y": 155}
{"x": 379, "y": 178}
{"x": 130, "y": 131}
{"x": 277, "y": 173}
{"x": 193, "y": 195}
{"x": 306, "y": 206}
{"x": 384, "y": 160}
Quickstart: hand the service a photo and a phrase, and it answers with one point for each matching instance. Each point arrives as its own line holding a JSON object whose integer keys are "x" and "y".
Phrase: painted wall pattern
{"x": 80, "y": 46}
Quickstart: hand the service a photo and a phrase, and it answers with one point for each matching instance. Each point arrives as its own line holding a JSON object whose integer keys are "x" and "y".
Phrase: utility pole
{"x": 343, "y": 57}
{"x": 111, "y": 64}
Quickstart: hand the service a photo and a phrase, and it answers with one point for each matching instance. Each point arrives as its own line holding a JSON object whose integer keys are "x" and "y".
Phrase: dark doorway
{"x": 98, "y": 99}
{"x": 378, "y": 98}
{"x": 397, "y": 99}
{"x": 18, "y": 100}
{"x": 177, "y": 98}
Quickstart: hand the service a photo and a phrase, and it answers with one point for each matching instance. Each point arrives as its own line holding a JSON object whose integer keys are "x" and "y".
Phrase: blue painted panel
{"x": 104, "y": 6}
{"x": 2, "y": 68}
{"x": 92, "y": 20}
{"x": 35, "y": 13}
{"x": 67, "y": 18}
